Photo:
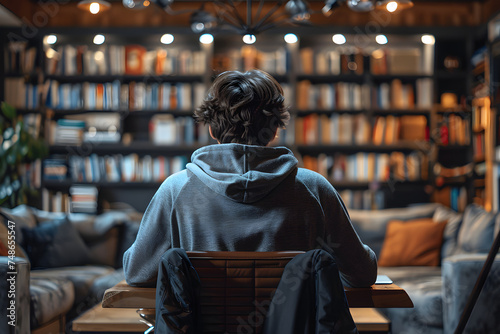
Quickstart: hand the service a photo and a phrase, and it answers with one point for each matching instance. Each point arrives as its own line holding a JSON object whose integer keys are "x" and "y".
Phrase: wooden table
{"x": 378, "y": 295}
{"x": 117, "y": 313}
{"x": 126, "y": 320}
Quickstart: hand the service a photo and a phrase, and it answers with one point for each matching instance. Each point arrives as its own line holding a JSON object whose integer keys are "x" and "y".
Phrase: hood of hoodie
{"x": 243, "y": 173}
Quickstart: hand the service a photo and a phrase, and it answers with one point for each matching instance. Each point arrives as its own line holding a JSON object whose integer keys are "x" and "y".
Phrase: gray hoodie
{"x": 235, "y": 197}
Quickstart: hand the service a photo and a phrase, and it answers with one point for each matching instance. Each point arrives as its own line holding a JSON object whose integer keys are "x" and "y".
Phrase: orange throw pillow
{"x": 412, "y": 243}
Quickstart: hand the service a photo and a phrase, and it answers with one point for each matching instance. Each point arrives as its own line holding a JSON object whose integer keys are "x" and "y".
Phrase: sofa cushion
{"x": 412, "y": 243}
{"x": 476, "y": 232}
{"x": 55, "y": 244}
{"x": 22, "y": 216}
{"x": 450, "y": 235}
{"x": 423, "y": 285}
{"x": 82, "y": 278}
{"x": 4, "y": 240}
{"x": 371, "y": 224}
{"x": 50, "y": 298}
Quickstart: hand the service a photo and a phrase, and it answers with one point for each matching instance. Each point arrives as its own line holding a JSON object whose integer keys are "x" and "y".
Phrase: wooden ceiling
{"x": 424, "y": 13}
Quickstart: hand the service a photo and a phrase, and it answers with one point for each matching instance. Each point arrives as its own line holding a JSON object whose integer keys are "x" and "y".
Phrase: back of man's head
{"x": 245, "y": 108}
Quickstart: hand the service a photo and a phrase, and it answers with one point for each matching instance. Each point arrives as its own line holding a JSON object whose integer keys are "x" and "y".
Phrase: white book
{"x": 334, "y": 62}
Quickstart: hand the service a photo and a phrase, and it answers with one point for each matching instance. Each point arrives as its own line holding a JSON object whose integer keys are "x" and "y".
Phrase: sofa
{"x": 62, "y": 265}
{"x": 439, "y": 288}
{"x": 52, "y": 290}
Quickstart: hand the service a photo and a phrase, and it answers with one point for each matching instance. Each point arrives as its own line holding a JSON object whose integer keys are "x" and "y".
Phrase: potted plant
{"x": 19, "y": 146}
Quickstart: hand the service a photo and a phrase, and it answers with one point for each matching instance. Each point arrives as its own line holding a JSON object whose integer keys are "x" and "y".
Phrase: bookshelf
{"x": 353, "y": 102}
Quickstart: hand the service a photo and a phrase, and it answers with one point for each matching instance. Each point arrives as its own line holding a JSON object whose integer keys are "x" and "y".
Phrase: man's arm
{"x": 140, "y": 261}
{"x": 356, "y": 261}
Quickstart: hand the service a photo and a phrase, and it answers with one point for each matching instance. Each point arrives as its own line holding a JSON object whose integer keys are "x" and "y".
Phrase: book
{"x": 134, "y": 59}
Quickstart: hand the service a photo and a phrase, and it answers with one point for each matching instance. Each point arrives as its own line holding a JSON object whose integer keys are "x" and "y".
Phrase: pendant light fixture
{"x": 394, "y": 5}
{"x": 94, "y": 6}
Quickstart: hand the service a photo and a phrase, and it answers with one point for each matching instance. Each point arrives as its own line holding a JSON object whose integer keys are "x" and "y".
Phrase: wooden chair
{"x": 237, "y": 288}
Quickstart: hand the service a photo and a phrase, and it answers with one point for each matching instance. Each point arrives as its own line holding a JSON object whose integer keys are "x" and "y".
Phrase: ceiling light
{"x": 249, "y": 39}
{"x": 136, "y": 4}
{"x": 391, "y": 6}
{"x": 428, "y": 39}
{"x": 206, "y": 39}
{"x": 202, "y": 20}
{"x": 94, "y": 6}
{"x": 99, "y": 39}
{"x": 394, "y": 5}
{"x": 361, "y": 5}
{"x": 327, "y": 9}
{"x": 298, "y": 10}
{"x": 51, "y": 39}
{"x": 291, "y": 38}
{"x": 339, "y": 39}
{"x": 167, "y": 39}
{"x": 381, "y": 39}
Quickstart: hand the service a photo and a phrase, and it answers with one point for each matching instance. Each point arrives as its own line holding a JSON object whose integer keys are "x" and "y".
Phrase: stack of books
{"x": 83, "y": 199}
{"x": 66, "y": 132}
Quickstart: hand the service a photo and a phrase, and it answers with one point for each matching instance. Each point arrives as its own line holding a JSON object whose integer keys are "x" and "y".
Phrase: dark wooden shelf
{"x": 457, "y": 74}
{"x": 463, "y": 112}
{"x": 329, "y": 111}
{"x": 127, "y": 78}
{"x": 424, "y": 112}
{"x": 323, "y": 148}
{"x": 66, "y": 183}
{"x": 403, "y": 77}
{"x": 348, "y": 184}
{"x": 123, "y": 112}
{"x": 136, "y": 147}
{"x": 453, "y": 147}
{"x": 331, "y": 78}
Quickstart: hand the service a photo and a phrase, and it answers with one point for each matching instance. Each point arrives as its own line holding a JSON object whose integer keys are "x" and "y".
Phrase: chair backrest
{"x": 237, "y": 287}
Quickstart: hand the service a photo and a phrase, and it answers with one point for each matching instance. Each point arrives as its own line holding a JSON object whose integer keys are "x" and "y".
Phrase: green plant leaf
{"x": 8, "y": 111}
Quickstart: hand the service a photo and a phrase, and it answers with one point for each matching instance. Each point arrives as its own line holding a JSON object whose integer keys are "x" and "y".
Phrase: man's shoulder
{"x": 175, "y": 182}
{"x": 312, "y": 178}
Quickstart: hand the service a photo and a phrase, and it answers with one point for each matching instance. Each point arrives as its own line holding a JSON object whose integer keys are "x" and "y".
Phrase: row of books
{"x": 402, "y": 61}
{"x": 120, "y": 96}
{"x": 20, "y": 58}
{"x": 340, "y": 95}
{"x": 363, "y": 199}
{"x": 452, "y": 197}
{"x": 369, "y": 167}
{"x": 125, "y": 60}
{"x": 112, "y": 168}
{"x": 169, "y": 130}
{"x": 249, "y": 57}
{"x": 383, "y": 61}
{"x": 332, "y": 62}
{"x": 31, "y": 174}
{"x": 396, "y": 95}
{"x": 343, "y": 95}
{"x": 454, "y": 130}
{"x": 342, "y": 128}
{"x": 22, "y": 95}
{"x": 55, "y": 201}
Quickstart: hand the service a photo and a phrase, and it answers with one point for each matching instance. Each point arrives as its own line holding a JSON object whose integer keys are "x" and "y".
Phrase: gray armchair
{"x": 19, "y": 293}
{"x": 460, "y": 273}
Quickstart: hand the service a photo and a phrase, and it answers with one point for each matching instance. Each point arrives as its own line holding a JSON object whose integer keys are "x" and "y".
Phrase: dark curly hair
{"x": 245, "y": 108}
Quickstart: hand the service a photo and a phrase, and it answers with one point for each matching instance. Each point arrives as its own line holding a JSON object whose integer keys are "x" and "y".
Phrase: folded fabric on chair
{"x": 177, "y": 295}
{"x": 310, "y": 298}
